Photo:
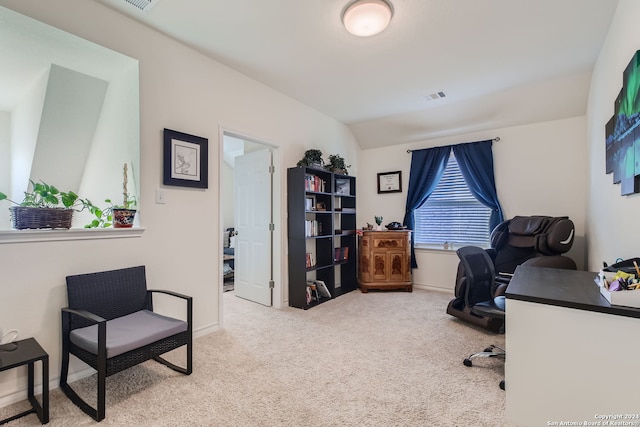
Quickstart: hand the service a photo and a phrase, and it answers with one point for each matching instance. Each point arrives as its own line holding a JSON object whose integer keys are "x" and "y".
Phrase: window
{"x": 74, "y": 117}
{"x": 451, "y": 214}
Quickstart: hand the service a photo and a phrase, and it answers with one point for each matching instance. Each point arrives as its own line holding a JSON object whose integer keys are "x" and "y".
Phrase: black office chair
{"x": 483, "y": 295}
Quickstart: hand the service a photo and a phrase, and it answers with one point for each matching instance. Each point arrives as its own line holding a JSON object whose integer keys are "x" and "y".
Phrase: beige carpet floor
{"x": 375, "y": 359}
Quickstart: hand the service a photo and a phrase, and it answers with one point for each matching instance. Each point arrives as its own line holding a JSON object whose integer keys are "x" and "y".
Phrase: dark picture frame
{"x": 390, "y": 182}
{"x": 185, "y": 160}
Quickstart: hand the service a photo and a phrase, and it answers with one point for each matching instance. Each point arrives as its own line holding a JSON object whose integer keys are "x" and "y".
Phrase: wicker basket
{"x": 29, "y": 217}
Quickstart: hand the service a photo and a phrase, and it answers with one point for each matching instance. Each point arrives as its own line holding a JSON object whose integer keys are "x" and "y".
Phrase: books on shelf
{"x": 312, "y": 292}
{"x": 310, "y": 262}
{"x": 312, "y": 228}
{"x": 317, "y": 289}
{"x": 309, "y": 203}
{"x": 341, "y": 254}
{"x": 322, "y": 288}
{"x": 309, "y": 295}
{"x": 314, "y": 183}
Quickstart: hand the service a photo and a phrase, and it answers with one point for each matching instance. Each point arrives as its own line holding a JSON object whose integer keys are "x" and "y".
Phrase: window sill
{"x": 435, "y": 248}
{"x": 25, "y": 236}
{"x": 440, "y": 248}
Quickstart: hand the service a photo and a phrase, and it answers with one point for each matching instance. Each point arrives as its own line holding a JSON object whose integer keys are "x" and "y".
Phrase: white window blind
{"x": 451, "y": 214}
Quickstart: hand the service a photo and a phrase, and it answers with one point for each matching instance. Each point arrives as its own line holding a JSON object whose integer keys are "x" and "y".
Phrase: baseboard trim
{"x": 433, "y": 288}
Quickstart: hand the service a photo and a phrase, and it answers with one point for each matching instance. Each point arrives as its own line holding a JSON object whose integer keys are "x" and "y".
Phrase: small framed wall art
{"x": 185, "y": 160}
{"x": 390, "y": 182}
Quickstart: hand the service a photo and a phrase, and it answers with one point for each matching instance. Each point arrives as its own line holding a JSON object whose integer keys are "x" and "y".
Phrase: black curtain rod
{"x": 496, "y": 139}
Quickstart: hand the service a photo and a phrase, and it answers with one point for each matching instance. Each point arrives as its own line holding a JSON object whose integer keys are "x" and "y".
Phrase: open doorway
{"x": 250, "y": 215}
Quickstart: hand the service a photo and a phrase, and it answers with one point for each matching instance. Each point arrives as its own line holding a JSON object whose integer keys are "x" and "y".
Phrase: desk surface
{"x": 563, "y": 288}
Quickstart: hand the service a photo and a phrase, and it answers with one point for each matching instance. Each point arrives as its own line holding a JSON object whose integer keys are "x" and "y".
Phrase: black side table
{"x": 27, "y": 352}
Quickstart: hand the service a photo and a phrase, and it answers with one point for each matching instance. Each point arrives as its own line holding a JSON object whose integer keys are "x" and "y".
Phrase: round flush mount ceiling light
{"x": 365, "y": 18}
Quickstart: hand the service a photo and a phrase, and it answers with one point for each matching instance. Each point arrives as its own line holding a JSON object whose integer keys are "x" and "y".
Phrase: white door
{"x": 252, "y": 193}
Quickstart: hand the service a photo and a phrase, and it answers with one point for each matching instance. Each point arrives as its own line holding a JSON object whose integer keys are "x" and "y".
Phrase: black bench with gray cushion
{"x": 111, "y": 326}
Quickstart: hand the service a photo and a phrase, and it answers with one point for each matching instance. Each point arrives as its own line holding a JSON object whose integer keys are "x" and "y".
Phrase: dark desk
{"x": 563, "y": 288}
{"x": 570, "y": 354}
{"x": 28, "y": 352}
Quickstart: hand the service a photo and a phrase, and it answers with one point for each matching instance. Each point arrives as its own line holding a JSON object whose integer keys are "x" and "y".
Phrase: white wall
{"x": 182, "y": 90}
{"x": 5, "y": 162}
{"x": 540, "y": 169}
{"x": 113, "y": 145}
{"x": 25, "y": 126}
{"x": 612, "y": 218}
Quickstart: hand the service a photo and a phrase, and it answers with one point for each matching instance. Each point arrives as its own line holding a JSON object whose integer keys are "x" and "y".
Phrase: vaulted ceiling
{"x": 500, "y": 63}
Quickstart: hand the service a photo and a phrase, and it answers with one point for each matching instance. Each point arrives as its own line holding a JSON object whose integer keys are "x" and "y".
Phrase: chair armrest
{"x": 95, "y": 319}
{"x": 188, "y": 299}
{"x": 85, "y": 314}
{"x": 174, "y": 294}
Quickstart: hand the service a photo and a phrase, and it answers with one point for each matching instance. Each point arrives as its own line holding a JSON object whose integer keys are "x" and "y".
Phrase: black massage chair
{"x": 528, "y": 240}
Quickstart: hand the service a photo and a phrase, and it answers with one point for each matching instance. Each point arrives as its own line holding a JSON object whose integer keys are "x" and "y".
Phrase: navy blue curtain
{"x": 427, "y": 167}
{"x": 476, "y": 165}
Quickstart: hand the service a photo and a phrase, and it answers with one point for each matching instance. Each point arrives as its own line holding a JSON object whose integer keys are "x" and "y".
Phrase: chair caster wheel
{"x": 488, "y": 349}
{"x": 502, "y": 384}
{"x": 467, "y": 362}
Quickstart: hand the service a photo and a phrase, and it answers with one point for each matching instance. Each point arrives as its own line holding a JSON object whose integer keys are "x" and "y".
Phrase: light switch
{"x": 161, "y": 196}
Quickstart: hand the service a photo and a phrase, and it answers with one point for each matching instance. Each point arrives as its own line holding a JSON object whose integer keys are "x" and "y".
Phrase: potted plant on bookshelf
{"x": 337, "y": 164}
{"x": 44, "y": 207}
{"x": 312, "y": 158}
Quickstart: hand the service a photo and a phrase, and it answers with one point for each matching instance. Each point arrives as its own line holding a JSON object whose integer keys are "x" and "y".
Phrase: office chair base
{"x": 491, "y": 351}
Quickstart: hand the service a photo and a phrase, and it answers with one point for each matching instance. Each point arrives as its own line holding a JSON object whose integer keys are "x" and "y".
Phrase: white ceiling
{"x": 500, "y": 62}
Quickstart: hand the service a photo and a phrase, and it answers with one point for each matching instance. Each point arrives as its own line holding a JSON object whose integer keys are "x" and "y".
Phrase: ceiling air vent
{"x": 144, "y": 5}
{"x": 140, "y": 5}
{"x": 434, "y": 96}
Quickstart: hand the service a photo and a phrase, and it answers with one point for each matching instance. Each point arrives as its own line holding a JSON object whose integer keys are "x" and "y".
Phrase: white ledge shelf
{"x": 25, "y": 236}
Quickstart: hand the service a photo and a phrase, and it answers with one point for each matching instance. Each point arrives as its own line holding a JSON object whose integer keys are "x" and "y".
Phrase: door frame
{"x": 278, "y": 212}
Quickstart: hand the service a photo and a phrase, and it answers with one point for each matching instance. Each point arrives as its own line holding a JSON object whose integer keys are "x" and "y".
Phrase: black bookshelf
{"x": 321, "y": 235}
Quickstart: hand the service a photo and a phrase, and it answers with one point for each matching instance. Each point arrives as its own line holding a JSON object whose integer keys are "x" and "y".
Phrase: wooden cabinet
{"x": 321, "y": 239}
{"x": 385, "y": 260}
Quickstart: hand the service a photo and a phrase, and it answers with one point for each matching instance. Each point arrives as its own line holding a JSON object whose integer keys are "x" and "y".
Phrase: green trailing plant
{"x": 337, "y": 164}
{"x": 312, "y": 157}
{"x": 378, "y": 220}
{"x": 103, "y": 217}
{"x": 44, "y": 195}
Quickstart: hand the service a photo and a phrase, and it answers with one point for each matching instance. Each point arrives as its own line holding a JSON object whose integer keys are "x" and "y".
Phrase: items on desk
{"x": 614, "y": 286}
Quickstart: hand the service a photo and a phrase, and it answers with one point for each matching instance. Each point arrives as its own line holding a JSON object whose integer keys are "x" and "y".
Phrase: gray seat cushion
{"x": 128, "y": 332}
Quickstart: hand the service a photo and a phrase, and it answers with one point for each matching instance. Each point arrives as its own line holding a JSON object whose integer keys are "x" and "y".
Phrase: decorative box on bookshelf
{"x": 341, "y": 254}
